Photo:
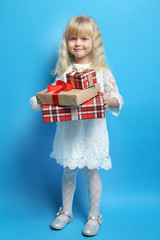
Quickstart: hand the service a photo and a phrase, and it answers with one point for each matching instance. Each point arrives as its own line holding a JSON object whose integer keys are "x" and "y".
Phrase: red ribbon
{"x": 66, "y": 86}
{"x": 56, "y": 89}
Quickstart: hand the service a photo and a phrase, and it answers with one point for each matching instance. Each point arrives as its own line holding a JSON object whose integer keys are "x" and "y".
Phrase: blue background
{"x": 30, "y": 181}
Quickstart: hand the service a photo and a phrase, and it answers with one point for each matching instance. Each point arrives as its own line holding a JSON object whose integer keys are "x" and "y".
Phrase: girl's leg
{"x": 68, "y": 189}
{"x": 94, "y": 191}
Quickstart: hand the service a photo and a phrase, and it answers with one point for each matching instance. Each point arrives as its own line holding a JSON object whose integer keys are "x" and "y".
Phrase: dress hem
{"x": 106, "y": 166}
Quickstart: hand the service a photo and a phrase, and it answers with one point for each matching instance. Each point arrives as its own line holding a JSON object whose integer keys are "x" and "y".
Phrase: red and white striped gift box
{"x": 93, "y": 108}
{"x": 82, "y": 80}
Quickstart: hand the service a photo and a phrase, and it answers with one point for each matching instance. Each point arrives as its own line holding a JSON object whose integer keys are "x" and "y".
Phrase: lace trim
{"x": 79, "y": 163}
{"x": 81, "y": 65}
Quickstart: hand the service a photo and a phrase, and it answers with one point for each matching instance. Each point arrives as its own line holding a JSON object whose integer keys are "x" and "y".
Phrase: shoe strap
{"x": 61, "y": 212}
{"x": 99, "y": 218}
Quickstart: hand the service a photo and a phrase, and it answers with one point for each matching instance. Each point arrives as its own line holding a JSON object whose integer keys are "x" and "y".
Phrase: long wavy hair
{"x": 81, "y": 24}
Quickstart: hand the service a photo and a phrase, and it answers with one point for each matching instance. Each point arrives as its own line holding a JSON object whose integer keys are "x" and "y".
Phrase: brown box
{"x": 74, "y": 97}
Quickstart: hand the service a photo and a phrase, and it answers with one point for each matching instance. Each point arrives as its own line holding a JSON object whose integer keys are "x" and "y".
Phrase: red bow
{"x": 64, "y": 86}
{"x": 59, "y": 87}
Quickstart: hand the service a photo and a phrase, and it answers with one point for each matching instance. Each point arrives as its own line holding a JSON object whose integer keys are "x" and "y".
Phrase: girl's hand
{"x": 105, "y": 100}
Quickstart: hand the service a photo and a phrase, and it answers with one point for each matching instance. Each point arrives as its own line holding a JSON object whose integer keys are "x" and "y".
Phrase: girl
{"x": 84, "y": 143}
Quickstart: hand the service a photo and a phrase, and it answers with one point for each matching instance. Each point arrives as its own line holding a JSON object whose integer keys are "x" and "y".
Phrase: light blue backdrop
{"x": 30, "y": 180}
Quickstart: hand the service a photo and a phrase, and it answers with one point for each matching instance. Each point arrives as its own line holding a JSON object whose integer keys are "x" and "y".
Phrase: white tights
{"x": 94, "y": 191}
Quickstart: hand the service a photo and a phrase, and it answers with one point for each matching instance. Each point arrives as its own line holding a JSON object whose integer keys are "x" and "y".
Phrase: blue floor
{"x": 124, "y": 221}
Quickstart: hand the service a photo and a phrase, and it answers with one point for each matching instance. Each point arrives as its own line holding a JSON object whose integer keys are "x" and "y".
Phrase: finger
{"x": 102, "y": 93}
{"x": 105, "y": 109}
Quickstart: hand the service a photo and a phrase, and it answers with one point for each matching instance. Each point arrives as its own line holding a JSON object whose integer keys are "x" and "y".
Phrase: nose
{"x": 77, "y": 42}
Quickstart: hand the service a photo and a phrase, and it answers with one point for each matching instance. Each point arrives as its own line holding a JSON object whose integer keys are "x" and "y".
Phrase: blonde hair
{"x": 77, "y": 25}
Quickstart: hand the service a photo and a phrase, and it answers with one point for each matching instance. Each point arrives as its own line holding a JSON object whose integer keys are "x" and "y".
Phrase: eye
{"x": 72, "y": 38}
{"x": 84, "y": 38}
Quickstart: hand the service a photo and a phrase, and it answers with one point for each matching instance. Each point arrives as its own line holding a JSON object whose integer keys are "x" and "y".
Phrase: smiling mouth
{"x": 78, "y": 49}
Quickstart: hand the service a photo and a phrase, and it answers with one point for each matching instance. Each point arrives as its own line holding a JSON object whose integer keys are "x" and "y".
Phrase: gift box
{"x": 93, "y": 108}
{"x": 60, "y": 95}
{"x": 82, "y": 80}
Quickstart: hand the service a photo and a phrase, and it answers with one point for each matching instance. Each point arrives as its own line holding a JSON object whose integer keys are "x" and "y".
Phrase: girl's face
{"x": 80, "y": 46}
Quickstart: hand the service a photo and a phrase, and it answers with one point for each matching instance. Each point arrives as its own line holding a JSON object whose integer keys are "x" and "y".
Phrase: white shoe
{"x": 92, "y": 230}
{"x": 60, "y": 224}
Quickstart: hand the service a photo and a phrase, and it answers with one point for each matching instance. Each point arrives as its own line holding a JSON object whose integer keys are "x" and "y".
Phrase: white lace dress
{"x": 83, "y": 143}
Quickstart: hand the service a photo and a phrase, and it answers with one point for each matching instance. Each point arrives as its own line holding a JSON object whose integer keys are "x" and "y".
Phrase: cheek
{"x": 70, "y": 46}
{"x": 89, "y": 47}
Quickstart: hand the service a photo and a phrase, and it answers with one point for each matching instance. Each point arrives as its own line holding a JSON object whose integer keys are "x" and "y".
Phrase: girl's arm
{"x": 111, "y": 96}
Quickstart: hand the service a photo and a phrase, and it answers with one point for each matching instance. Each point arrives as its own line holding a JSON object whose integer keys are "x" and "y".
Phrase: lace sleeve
{"x": 110, "y": 87}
